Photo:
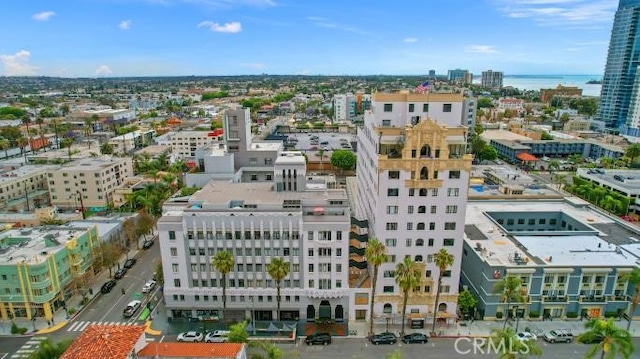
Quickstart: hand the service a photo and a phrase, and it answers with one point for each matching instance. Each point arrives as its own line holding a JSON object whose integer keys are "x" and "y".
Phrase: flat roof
{"x": 24, "y": 171}
{"x": 92, "y": 163}
{"x": 627, "y": 179}
{"x": 34, "y": 249}
{"x": 503, "y": 135}
{"x": 266, "y": 146}
{"x": 499, "y": 249}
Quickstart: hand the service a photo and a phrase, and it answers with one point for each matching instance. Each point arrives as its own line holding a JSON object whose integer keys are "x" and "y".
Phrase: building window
{"x": 428, "y": 274}
{"x": 452, "y": 209}
{"x": 390, "y": 242}
{"x": 392, "y": 226}
{"x": 254, "y": 177}
{"x": 409, "y": 226}
{"x": 446, "y": 273}
{"x": 446, "y": 107}
{"x": 392, "y": 209}
{"x": 172, "y": 235}
{"x": 410, "y": 209}
{"x": 387, "y": 289}
{"x": 394, "y": 174}
{"x": 450, "y": 226}
{"x": 425, "y": 107}
{"x": 388, "y": 107}
{"x": 412, "y": 107}
{"x": 430, "y": 242}
{"x": 422, "y": 209}
{"x": 408, "y": 242}
{"x": 420, "y": 226}
{"x": 412, "y": 192}
{"x": 433, "y": 209}
{"x": 176, "y": 282}
{"x": 454, "y": 174}
{"x": 448, "y": 242}
{"x": 174, "y": 251}
{"x": 392, "y": 192}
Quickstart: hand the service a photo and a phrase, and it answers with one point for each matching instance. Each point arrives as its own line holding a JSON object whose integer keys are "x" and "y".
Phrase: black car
{"x": 129, "y": 263}
{"x": 318, "y": 338}
{"x": 120, "y": 273}
{"x": 415, "y": 338}
{"x": 384, "y": 338}
{"x": 590, "y": 339}
{"x": 106, "y": 288}
{"x": 147, "y": 244}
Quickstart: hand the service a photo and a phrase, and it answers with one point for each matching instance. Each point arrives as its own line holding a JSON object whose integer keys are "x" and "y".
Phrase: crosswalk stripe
{"x": 83, "y": 326}
{"x": 73, "y": 326}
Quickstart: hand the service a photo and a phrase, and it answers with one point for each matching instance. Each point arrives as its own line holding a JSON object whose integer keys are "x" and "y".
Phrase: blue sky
{"x": 95, "y": 38}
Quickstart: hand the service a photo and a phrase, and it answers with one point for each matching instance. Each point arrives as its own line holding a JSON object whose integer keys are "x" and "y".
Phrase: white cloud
{"x": 229, "y": 27}
{"x": 103, "y": 70}
{"x": 43, "y": 16}
{"x": 18, "y": 64}
{"x": 411, "y": 39}
{"x": 323, "y": 22}
{"x": 125, "y": 25}
{"x": 562, "y": 13}
{"x": 481, "y": 49}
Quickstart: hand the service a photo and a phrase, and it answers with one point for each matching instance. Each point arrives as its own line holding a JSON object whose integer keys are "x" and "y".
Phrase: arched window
{"x": 424, "y": 173}
{"x": 423, "y": 192}
{"x": 419, "y": 242}
{"x": 425, "y": 151}
{"x": 387, "y": 308}
{"x": 421, "y": 226}
{"x": 418, "y": 258}
{"x": 422, "y": 209}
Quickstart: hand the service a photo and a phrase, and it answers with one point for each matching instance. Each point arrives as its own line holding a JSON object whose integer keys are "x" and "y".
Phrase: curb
{"x": 149, "y": 330}
{"x": 53, "y": 328}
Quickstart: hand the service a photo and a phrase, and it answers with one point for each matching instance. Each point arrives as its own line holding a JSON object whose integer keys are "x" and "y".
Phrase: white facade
{"x": 307, "y": 225}
{"x": 413, "y": 176}
{"x": 491, "y": 79}
{"x": 184, "y": 144}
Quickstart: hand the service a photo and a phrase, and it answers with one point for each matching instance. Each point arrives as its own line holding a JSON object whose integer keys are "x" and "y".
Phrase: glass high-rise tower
{"x": 618, "y": 98}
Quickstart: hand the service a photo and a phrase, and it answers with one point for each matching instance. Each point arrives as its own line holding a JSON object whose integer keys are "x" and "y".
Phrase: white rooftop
{"x": 20, "y": 173}
{"x": 33, "y": 248}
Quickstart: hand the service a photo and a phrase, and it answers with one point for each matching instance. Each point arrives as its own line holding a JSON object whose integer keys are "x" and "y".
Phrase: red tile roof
{"x": 523, "y": 156}
{"x": 104, "y": 342}
{"x": 191, "y": 350}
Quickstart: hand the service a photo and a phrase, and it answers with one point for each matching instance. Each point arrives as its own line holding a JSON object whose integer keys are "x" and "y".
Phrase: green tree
{"x": 50, "y": 350}
{"x": 633, "y": 151}
{"x": 554, "y": 166}
{"x": 272, "y": 350}
{"x": 634, "y": 279}
{"x": 343, "y": 159}
{"x": 466, "y": 302}
{"x": 485, "y": 102}
{"x": 159, "y": 272}
{"x": 376, "y": 255}
{"x": 5, "y": 144}
{"x": 509, "y": 290}
{"x": 443, "y": 260}
{"x": 238, "y": 332}
{"x": 616, "y": 342}
{"x": 22, "y": 142}
{"x": 488, "y": 153}
{"x": 145, "y": 223}
{"x": 106, "y": 148}
{"x": 223, "y": 262}
{"x": 278, "y": 269}
{"x": 64, "y": 109}
{"x": 407, "y": 277}
{"x": 67, "y": 142}
{"x": 508, "y": 346}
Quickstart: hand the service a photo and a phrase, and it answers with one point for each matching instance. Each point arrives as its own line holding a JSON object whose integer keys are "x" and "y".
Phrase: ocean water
{"x": 537, "y": 82}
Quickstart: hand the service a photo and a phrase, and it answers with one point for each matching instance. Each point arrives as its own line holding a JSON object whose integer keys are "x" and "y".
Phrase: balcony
{"x": 41, "y": 284}
{"x": 619, "y": 298}
{"x": 593, "y": 299}
{"x": 415, "y": 183}
{"x": 555, "y": 299}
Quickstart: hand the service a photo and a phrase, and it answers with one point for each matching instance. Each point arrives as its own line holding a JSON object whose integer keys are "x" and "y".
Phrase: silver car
{"x": 190, "y": 337}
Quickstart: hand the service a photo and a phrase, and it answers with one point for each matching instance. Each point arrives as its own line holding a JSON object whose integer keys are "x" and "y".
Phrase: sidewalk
{"x": 60, "y": 317}
{"x": 360, "y": 329}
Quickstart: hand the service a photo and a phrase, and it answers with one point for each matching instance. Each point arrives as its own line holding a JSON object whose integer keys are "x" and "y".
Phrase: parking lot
{"x": 327, "y": 141}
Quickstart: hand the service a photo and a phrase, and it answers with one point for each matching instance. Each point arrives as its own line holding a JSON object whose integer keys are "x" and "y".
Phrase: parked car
{"x": 558, "y": 335}
{"x": 324, "y": 143}
{"x": 106, "y": 288}
{"x": 130, "y": 262}
{"x": 131, "y": 308}
{"x": 384, "y": 338}
{"x": 524, "y": 336}
{"x": 415, "y": 338}
{"x": 120, "y": 273}
{"x": 147, "y": 244}
{"x": 190, "y": 337}
{"x": 217, "y": 336}
{"x": 588, "y": 339}
{"x": 318, "y": 338}
{"x": 148, "y": 286}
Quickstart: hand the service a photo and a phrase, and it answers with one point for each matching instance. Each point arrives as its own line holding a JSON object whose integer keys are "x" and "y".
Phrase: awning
{"x": 523, "y": 156}
{"x": 445, "y": 315}
{"x": 416, "y": 316}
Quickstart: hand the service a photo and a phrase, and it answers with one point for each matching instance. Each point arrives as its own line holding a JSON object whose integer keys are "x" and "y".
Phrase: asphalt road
{"x": 437, "y": 348}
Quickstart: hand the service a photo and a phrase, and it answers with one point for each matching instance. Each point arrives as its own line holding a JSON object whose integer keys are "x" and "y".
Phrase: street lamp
{"x": 515, "y": 309}
{"x": 253, "y": 315}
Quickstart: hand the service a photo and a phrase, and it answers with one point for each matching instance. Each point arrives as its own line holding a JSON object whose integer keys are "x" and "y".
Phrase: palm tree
{"x": 376, "y": 254}
{"x": 554, "y": 165}
{"x": 443, "y": 260}
{"x": 509, "y": 346}
{"x": 407, "y": 277}
{"x": 223, "y": 262}
{"x": 49, "y": 350}
{"x": 68, "y": 142}
{"x": 634, "y": 279}
{"x": 278, "y": 269}
{"x": 5, "y": 144}
{"x": 633, "y": 151}
{"x": 509, "y": 290}
{"x": 106, "y": 148}
{"x": 615, "y": 341}
{"x": 22, "y": 142}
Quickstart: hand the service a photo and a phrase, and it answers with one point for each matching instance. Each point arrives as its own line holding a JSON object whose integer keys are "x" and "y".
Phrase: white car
{"x": 148, "y": 286}
{"x": 217, "y": 336}
{"x": 190, "y": 337}
{"x": 524, "y": 336}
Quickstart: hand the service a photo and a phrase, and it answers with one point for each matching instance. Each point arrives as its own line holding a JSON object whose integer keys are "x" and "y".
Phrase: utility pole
{"x": 84, "y": 216}
{"x": 26, "y": 195}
